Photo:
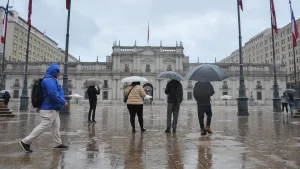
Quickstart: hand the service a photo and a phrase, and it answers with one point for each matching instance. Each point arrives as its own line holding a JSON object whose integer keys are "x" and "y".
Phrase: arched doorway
{"x": 149, "y": 90}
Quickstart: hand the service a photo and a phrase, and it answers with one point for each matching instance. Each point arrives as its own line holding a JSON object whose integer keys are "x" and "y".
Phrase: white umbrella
{"x": 92, "y": 82}
{"x": 3, "y": 91}
{"x": 76, "y": 96}
{"x": 134, "y": 79}
{"x": 148, "y": 97}
{"x": 226, "y": 97}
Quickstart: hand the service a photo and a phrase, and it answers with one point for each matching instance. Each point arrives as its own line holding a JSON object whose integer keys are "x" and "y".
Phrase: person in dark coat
{"x": 92, "y": 93}
{"x": 175, "y": 93}
{"x": 202, "y": 93}
{"x": 6, "y": 97}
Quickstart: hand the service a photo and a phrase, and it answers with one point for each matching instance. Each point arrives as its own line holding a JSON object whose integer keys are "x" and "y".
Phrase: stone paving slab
{"x": 262, "y": 140}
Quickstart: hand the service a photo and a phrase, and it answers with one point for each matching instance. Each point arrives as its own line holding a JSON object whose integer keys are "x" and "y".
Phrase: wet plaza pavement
{"x": 262, "y": 140}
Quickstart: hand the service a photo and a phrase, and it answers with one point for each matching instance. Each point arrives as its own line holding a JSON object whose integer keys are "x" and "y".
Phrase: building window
{"x": 225, "y": 93}
{"x": 127, "y": 68}
{"x": 258, "y": 85}
{"x": 16, "y": 94}
{"x": 70, "y": 85}
{"x": 105, "y": 85}
{"x": 70, "y": 92}
{"x": 259, "y": 96}
{"x": 190, "y": 84}
{"x": 105, "y": 95}
{"x": 169, "y": 68}
{"x": 190, "y": 96}
{"x": 86, "y": 95}
{"x": 225, "y": 86}
{"x": 17, "y": 83}
{"x": 148, "y": 68}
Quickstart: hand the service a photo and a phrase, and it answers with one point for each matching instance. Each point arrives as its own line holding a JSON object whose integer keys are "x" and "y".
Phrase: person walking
{"x": 54, "y": 101}
{"x": 92, "y": 93}
{"x": 291, "y": 102}
{"x": 284, "y": 102}
{"x": 202, "y": 93}
{"x": 175, "y": 93}
{"x": 135, "y": 101}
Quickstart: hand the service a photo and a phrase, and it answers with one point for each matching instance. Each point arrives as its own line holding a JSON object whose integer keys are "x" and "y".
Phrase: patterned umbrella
{"x": 170, "y": 75}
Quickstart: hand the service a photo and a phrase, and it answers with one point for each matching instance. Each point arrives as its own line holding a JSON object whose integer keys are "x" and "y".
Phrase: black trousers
{"x": 136, "y": 110}
{"x": 201, "y": 110}
{"x": 286, "y": 107}
{"x": 93, "y": 105}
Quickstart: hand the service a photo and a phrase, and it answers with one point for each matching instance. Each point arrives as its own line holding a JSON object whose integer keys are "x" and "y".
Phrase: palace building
{"x": 148, "y": 61}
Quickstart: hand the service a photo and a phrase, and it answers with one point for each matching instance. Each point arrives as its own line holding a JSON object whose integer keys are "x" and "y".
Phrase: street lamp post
{"x": 24, "y": 97}
{"x": 2, "y": 83}
{"x": 65, "y": 76}
{"x": 242, "y": 99}
{"x": 276, "y": 98}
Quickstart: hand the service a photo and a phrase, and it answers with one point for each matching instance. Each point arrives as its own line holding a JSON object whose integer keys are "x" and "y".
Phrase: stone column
{"x": 113, "y": 89}
{"x": 161, "y": 61}
{"x": 139, "y": 63}
{"x": 118, "y": 89}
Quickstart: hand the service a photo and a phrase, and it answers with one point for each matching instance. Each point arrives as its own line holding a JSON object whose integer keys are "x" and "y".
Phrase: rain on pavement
{"x": 262, "y": 140}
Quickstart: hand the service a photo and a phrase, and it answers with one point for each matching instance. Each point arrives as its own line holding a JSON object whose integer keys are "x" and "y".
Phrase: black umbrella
{"x": 206, "y": 73}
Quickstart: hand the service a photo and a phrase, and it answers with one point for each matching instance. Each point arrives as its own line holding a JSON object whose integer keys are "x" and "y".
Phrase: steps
{"x": 4, "y": 111}
{"x": 297, "y": 113}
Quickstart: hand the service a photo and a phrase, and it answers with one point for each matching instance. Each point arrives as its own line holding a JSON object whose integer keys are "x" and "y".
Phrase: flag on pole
{"x": 68, "y": 4}
{"x": 29, "y": 13}
{"x": 4, "y": 22}
{"x": 241, "y": 4}
{"x": 295, "y": 32}
{"x": 148, "y": 36}
{"x": 273, "y": 16}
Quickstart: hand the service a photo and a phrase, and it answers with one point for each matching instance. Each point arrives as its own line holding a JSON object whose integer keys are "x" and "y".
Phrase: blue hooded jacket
{"x": 52, "y": 90}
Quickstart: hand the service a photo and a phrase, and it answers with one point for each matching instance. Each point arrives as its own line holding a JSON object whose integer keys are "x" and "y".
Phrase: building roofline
{"x": 37, "y": 30}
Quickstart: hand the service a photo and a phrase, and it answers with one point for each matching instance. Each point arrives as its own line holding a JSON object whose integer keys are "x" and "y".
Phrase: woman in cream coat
{"x": 135, "y": 102}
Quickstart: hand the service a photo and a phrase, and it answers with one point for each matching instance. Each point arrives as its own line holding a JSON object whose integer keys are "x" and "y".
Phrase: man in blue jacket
{"x": 49, "y": 110}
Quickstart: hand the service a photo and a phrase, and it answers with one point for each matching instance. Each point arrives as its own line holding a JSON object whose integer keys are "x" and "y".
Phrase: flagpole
{"x": 276, "y": 98}
{"x": 24, "y": 97}
{"x": 65, "y": 76}
{"x": 296, "y": 96}
{"x": 2, "y": 87}
{"x": 148, "y": 36}
{"x": 242, "y": 99}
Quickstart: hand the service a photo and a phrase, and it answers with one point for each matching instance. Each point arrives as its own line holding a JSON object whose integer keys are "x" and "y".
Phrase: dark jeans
{"x": 93, "y": 105}
{"x": 173, "y": 108}
{"x": 286, "y": 107}
{"x": 201, "y": 110}
{"x": 136, "y": 110}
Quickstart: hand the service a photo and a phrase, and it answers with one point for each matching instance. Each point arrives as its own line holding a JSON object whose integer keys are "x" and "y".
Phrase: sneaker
{"x": 62, "y": 146}
{"x": 203, "y": 132}
{"x": 26, "y": 147}
{"x": 94, "y": 121}
{"x": 167, "y": 131}
{"x": 207, "y": 128}
{"x": 143, "y": 130}
{"x": 133, "y": 131}
{"x": 174, "y": 130}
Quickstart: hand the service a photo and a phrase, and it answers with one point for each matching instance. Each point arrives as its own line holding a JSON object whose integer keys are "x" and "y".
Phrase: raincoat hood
{"x": 53, "y": 70}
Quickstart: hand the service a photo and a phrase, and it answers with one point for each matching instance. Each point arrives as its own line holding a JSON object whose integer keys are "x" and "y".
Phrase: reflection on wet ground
{"x": 262, "y": 140}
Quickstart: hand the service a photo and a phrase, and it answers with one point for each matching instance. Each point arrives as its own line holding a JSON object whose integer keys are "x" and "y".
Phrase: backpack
{"x": 37, "y": 97}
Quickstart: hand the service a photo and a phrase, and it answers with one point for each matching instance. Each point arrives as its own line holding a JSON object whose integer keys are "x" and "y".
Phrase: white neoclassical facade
{"x": 148, "y": 61}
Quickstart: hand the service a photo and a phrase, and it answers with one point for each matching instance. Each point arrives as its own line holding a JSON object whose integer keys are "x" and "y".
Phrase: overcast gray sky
{"x": 208, "y": 29}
